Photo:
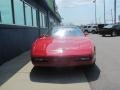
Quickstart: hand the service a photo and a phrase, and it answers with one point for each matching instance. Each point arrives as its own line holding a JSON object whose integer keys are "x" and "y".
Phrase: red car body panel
{"x": 62, "y": 52}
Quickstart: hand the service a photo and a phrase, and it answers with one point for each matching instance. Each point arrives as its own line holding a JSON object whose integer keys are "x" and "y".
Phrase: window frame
{"x": 33, "y": 17}
{"x": 12, "y": 15}
{"x": 24, "y": 21}
{"x": 30, "y": 13}
{"x": 39, "y": 21}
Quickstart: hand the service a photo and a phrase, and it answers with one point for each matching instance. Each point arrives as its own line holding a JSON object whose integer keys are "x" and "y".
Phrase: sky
{"x": 83, "y": 11}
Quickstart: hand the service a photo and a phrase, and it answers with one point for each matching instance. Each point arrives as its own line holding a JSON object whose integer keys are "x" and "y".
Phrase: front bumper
{"x": 61, "y": 62}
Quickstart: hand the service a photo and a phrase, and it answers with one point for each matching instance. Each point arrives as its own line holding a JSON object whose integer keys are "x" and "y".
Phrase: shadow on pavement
{"x": 62, "y": 76}
{"x": 10, "y": 68}
{"x": 92, "y": 74}
{"x": 107, "y": 36}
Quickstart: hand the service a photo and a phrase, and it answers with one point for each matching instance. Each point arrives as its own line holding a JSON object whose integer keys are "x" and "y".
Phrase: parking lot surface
{"x": 106, "y": 74}
{"x": 19, "y": 73}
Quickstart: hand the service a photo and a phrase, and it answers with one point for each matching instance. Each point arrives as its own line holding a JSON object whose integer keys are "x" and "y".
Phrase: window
{"x": 6, "y": 12}
{"x": 44, "y": 20}
{"x": 28, "y": 15}
{"x": 89, "y": 26}
{"x": 34, "y": 17}
{"x": 109, "y": 26}
{"x": 41, "y": 22}
{"x": 65, "y": 32}
{"x": 19, "y": 13}
{"x": 43, "y": 16}
{"x": 117, "y": 26}
{"x": 94, "y": 26}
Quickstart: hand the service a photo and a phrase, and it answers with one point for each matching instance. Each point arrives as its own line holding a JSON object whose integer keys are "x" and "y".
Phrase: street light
{"x": 104, "y": 13}
{"x": 95, "y": 12}
{"x": 112, "y": 16}
{"x": 114, "y": 11}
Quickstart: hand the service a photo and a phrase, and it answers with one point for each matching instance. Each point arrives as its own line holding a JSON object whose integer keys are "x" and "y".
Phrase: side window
{"x": 6, "y": 12}
{"x": 118, "y": 27}
{"x": 19, "y": 13}
{"x": 89, "y": 26}
{"x": 94, "y": 26}
{"x": 28, "y": 15}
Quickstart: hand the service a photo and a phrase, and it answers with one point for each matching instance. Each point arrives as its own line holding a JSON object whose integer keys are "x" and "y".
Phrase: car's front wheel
{"x": 103, "y": 35}
{"x": 92, "y": 65}
{"x": 113, "y": 34}
{"x": 93, "y": 32}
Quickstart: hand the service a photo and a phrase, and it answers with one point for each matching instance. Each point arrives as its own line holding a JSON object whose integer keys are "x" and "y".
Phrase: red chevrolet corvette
{"x": 63, "y": 46}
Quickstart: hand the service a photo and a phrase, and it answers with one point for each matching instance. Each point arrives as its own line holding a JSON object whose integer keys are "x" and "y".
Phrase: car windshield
{"x": 109, "y": 26}
{"x": 66, "y": 32}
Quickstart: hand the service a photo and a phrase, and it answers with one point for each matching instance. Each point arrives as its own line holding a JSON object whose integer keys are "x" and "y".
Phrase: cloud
{"x": 64, "y": 5}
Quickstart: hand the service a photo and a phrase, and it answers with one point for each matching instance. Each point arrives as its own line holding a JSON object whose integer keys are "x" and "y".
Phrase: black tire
{"x": 103, "y": 35}
{"x": 92, "y": 65}
{"x": 93, "y": 32}
{"x": 113, "y": 34}
{"x": 36, "y": 67}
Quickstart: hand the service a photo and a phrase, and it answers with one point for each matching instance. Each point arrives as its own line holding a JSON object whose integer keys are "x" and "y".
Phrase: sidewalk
{"x": 19, "y": 74}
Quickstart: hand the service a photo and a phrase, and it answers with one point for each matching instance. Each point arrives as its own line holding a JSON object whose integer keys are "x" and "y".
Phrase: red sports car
{"x": 63, "y": 46}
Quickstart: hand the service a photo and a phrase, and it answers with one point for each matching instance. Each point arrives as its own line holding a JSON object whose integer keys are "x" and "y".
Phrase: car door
{"x": 118, "y": 30}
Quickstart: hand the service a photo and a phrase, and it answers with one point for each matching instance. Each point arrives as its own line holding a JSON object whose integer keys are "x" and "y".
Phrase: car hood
{"x": 49, "y": 46}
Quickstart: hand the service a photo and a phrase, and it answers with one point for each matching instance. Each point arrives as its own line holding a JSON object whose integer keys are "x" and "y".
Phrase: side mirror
{"x": 41, "y": 36}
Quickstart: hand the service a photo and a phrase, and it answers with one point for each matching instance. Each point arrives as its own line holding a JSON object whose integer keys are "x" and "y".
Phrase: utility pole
{"x": 99, "y": 20}
{"x": 95, "y": 12}
{"x": 112, "y": 16}
{"x": 114, "y": 11}
{"x": 104, "y": 12}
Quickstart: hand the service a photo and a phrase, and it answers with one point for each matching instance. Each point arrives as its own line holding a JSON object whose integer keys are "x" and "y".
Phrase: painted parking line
{"x": 14, "y": 77}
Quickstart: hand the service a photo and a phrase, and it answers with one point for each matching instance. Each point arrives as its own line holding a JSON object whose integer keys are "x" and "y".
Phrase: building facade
{"x": 21, "y": 22}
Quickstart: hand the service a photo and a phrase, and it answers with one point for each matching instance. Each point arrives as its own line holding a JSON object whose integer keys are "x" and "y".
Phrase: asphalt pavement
{"x": 19, "y": 73}
{"x": 106, "y": 74}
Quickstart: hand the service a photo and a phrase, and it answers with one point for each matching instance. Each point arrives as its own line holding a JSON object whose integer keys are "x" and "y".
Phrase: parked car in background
{"x": 65, "y": 46}
{"x": 112, "y": 29}
{"x": 90, "y": 29}
{"x": 100, "y": 27}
